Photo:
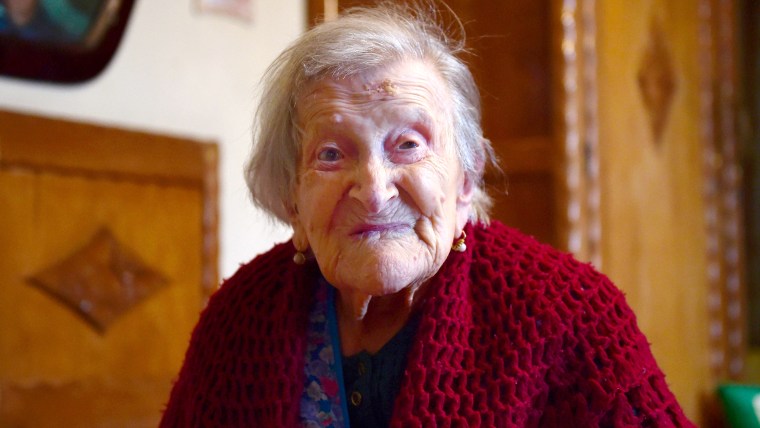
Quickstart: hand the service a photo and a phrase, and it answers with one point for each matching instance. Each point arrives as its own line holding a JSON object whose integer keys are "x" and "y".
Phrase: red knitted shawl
{"x": 513, "y": 333}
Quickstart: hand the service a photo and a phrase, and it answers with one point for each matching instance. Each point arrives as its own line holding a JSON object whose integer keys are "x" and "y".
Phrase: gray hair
{"x": 360, "y": 40}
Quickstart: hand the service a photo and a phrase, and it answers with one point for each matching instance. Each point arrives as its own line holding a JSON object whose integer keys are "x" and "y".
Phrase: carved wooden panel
{"x": 669, "y": 190}
{"x": 107, "y": 254}
{"x": 654, "y": 244}
{"x": 100, "y": 281}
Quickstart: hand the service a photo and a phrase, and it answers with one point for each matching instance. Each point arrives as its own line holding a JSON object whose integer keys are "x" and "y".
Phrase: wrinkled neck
{"x": 367, "y": 322}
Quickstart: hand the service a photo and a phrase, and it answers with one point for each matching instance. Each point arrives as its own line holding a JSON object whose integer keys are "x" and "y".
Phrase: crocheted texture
{"x": 512, "y": 333}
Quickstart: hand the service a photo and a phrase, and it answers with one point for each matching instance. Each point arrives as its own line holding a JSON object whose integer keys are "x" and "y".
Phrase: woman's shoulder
{"x": 516, "y": 266}
{"x": 524, "y": 257}
{"x": 551, "y": 306}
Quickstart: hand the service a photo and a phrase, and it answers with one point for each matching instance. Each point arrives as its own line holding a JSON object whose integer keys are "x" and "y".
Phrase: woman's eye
{"x": 408, "y": 144}
{"x": 329, "y": 155}
{"x": 409, "y": 148}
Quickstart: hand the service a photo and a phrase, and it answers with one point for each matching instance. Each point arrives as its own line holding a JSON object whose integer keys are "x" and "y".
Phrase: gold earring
{"x": 459, "y": 245}
{"x": 299, "y": 258}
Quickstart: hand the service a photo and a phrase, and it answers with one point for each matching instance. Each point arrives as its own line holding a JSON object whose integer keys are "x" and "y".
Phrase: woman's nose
{"x": 374, "y": 186}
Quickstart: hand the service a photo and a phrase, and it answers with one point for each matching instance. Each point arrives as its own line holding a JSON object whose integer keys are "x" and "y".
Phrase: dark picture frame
{"x": 62, "y": 55}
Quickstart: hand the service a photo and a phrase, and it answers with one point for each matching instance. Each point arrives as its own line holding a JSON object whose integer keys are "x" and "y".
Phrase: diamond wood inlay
{"x": 101, "y": 281}
{"x": 656, "y": 80}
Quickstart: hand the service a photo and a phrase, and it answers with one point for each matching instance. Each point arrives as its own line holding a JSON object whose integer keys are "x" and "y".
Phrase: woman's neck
{"x": 367, "y": 322}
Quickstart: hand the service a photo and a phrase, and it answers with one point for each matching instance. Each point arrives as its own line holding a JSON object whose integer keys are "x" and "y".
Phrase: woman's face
{"x": 380, "y": 194}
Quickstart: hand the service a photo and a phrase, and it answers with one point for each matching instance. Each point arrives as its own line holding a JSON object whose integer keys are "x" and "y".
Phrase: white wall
{"x": 180, "y": 72}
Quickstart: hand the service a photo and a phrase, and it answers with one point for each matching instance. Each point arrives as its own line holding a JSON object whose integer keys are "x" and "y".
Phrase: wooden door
{"x": 107, "y": 254}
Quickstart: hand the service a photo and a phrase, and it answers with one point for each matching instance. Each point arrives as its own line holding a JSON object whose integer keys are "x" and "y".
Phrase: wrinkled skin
{"x": 381, "y": 194}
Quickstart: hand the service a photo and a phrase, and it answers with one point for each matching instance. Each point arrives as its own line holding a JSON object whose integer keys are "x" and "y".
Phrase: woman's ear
{"x": 464, "y": 201}
{"x": 469, "y": 189}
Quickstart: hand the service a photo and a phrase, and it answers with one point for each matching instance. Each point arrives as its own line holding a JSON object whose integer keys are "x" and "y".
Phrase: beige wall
{"x": 189, "y": 74}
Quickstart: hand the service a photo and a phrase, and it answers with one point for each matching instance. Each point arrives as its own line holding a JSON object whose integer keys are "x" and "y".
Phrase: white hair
{"x": 360, "y": 40}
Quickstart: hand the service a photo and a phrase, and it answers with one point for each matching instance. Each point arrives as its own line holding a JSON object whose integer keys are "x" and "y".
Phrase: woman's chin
{"x": 381, "y": 277}
{"x": 379, "y": 266}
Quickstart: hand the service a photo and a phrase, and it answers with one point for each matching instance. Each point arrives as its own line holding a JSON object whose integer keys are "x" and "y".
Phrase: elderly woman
{"x": 396, "y": 303}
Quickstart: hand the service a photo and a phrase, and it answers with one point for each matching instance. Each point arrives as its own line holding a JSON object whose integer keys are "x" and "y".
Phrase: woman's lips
{"x": 378, "y": 228}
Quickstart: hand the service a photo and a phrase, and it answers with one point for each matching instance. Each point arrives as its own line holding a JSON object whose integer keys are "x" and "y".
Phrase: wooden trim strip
{"x": 210, "y": 251}
{"x": 580, "y": 166}
{"x": 731, "y": 226}
{"x": 710, "y": 192}
{"x": 591, "y": 135}
{"x": 35, "y": 142}
{"x": 722, "y": 189}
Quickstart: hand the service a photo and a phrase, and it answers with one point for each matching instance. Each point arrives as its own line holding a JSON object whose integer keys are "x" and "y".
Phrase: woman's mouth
{"x": 372, "y": 229}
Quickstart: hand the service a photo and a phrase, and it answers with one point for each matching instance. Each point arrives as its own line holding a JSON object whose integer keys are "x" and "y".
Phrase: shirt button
{"x": 356, "y": 398}
{"x": 361, "y": 368}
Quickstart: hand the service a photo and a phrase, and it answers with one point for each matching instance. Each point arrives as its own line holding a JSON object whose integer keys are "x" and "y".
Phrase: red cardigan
{"x": 513, "y": 333}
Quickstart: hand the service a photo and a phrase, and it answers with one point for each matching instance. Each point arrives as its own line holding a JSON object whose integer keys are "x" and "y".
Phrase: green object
{"x": 741, "y": 404}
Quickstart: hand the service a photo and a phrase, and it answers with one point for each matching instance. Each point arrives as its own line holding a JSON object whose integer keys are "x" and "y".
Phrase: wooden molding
{"x": 722, "y": 189}
{"x": 577, "y": 125}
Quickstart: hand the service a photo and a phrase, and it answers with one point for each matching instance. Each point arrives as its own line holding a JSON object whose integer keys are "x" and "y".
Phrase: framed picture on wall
{"x": 64, "y": 41}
